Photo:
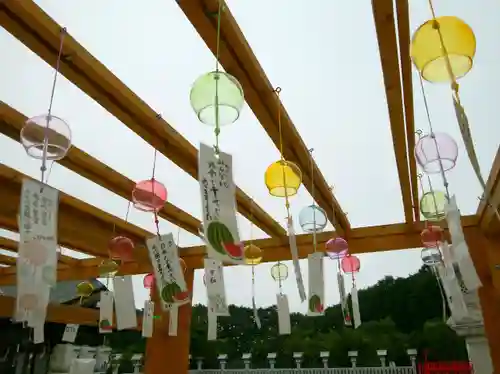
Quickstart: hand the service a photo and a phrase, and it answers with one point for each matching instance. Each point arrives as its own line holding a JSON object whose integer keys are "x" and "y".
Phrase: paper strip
{"x": 343, "y": 300}
{"x": 453, "y": 292}
{"x": 126, "y": 317}
{"x": 212, "y": 326}
{"x": 39, "y": 334}
{"x": 106, "y": 307}
{"x": 37, "y": 251}
{"x": 284, "y": 325}
{"x": 147, "y": 319}
{"x": 70, "y": 332}
{"x": 216, "y": 292}
{"x": 218, "y": 191}
{"x": 164, "y": 255}
{"x": 173, "y": 320}
{"x": 295, "y": 260}
{"x": 355, "y": 307}
{"x": 316, "y": 303}
{"x": 256, "y": 317}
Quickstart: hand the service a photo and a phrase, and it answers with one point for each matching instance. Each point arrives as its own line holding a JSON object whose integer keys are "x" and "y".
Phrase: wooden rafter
{"x": 383, "y": 14}
{"x": 238, "y": 60}
{"x": 11, "y": 123}
{"x": 26, "y": 21}
{"x": 7, "y": 260}
{"x": 12, "y": 246}
{"x": 486, "y": 211}
{"x": 403, "y": 17}
{"x": 82, "y": 227}
{"x": 362, "y": 240}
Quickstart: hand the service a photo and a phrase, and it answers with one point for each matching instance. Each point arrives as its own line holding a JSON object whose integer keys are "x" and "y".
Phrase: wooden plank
{"x": 11, "y": 123}
{"x": 403, "y": 17}
{"x": 383, "y": 14}
{"x": 7, "y": 260}
{"x": 362, "y": 240}
{"x": 237, "y": 58}
{"x": 486, "y": 211}
{"x": 26, "y": 21}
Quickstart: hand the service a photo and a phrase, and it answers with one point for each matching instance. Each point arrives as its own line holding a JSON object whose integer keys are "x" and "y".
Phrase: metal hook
{"x": 419, "y": 133}
{"x": 420, "y": 175}
{"x": 277, "y": 90}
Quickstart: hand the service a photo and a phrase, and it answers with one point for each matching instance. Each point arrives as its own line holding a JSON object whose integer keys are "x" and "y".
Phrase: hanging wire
{"x": 433, "y": 137}
{"x": 156, "y": 219}
{"x": 217, "y": 78}
{"x": 251, "y": 245}
{"x": 43, "y": 168}
{"x": 313, "y": 202}
{"x": 441, "y": 290}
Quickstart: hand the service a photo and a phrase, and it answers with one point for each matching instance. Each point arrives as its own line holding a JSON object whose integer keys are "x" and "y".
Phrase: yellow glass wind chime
{"x": 443, "y": 50}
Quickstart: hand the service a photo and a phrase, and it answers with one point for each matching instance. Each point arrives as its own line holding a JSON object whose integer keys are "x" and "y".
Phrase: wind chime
{"x": 283, "y": 179}
{"x": 46, "y": 138}
{"x": 253, "y": 257}
{"x": 279, "y": 273}
{"x": 336, "y": 249}
{"x": 350, "y": 265}
{"x": 312, "y": 219}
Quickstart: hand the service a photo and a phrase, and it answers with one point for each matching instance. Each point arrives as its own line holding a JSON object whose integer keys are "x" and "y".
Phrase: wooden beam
{"x": 82, "y": 227}
{"x": 487, "y": 210}
{"x": 403, "y": 17}
{"x": 26, "y": 21}
{"x": 383, "y": 14}
{"x": 237, "y": 58}
{"x": 7, "y": 260}
{"x": 362, "y": 240}
{"x": 12, "y": 246}
{"x": 59, "y": 313}
{"x": 11, "y": 123}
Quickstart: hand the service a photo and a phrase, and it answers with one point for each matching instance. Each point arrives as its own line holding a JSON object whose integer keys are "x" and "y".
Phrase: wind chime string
{"x": 156, "y": 219}
{"x": 313, "y": 201}
{"x": 431, "y": 130}
{"x": 217, "y": 78}
{"x": 43, "y": 168}
{"x": 251, "y": 246}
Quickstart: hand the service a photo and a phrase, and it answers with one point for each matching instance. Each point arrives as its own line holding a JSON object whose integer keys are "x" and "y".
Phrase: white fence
{"x": 355, "y": 370}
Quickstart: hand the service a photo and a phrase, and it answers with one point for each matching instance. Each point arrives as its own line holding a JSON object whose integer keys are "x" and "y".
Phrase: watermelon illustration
{"x": 105, "y": 325}
{"x": 169, "y": 291}
{"x": 181, "y": 296}
{"x": 235, "y": 250}
{"x": 219, "y": 236}
{"x": 315, "y": 304}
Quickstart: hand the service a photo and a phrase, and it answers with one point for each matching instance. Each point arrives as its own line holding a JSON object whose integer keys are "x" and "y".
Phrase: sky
{"x": 324, "y": 56}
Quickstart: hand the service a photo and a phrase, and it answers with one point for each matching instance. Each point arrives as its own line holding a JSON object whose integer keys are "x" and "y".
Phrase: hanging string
{"x": 43, "y": 168}
{"x": 312, "y": 195}
{"x": 156, "y": 219}
{"x": 441, "y": 290}
{"x": 251, "y": 245}
{"x": 433, "y": 137}
{"x": 217, "y": 78}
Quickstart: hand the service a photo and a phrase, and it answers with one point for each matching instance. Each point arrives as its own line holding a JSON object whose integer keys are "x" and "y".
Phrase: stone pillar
{"x": 199, "y": 363}
{"x": 272, "y": 359}
{"x": 382, "y": 354}
{"x": 137, "y": 362}
{"x": 297, "y": 356}
{"x": 412, "y": 353}
{"x": 222, "y": 361}
{"x": 247, "y": 360}
{"x": 324, "y": 357}
{"x": 353, "y": 355}
{"x": 116, "y": 362}
{"x": 472, "y": 329}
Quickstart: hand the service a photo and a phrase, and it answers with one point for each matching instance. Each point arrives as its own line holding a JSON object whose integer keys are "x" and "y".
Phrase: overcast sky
{"x": 324, "y": 56}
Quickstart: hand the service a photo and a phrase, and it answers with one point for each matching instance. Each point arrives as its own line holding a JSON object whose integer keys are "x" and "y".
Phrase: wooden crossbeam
{"x": 362, "y": 240}
{"x": 7, "y": 260}
{"x": 238, "y": 60}
{"x": 12, "y": 246}
{"x": 26, "y": 21}
{"x": 11, "y": 123}
{"x": 486, "y": 211}
{"x": 82, "y": 227}
{"x": 383, "y": 14}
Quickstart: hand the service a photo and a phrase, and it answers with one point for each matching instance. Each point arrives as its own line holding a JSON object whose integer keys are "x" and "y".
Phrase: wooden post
{"x": 170, "y": 354}
{"x": 480, "y": 248}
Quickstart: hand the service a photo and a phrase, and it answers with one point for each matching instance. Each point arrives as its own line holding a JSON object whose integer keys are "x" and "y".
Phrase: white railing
{"x": 356, "y": 370}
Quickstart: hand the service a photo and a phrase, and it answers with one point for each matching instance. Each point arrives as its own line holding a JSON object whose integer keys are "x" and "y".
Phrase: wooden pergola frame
{"x": 87, "y": 229}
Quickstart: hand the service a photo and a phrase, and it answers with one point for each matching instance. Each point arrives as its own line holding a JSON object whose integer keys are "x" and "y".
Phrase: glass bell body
{"x": 121, "y": 248}
{"x": 148, "y": 281}
{"x": 431, "y": 256}
{"x": 350, "y": 264}
{"x": 108, "y": 268}
{"x": 432, "y": 236}
{"x": 84, "y": 289}
{"x": 312, "y": 218}
{"x": 253, "y": 255}
{"x": 149, "y": 195}
{"x": 432, "y": 205}
{"x": 283, "y": 178}
{"x": 435, "y": 151}
{"x": 279, "y": 272}
{"x": 336, "y": 248}
{"x": 426, "y": 49}
{"x": 217, "y": 90}
{"x": 46, "y": 132}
